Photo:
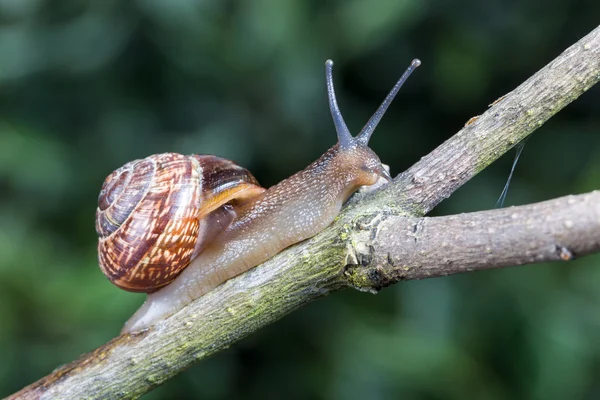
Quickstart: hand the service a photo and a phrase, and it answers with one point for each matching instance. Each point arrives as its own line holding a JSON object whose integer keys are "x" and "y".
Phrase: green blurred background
{"x": 86, "y": 86}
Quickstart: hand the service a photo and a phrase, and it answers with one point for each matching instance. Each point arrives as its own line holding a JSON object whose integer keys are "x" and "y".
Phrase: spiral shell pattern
{"x": 150, "y": 214}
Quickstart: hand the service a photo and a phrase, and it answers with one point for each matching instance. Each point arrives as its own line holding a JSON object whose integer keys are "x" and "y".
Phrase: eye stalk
{"x": 366, "y": 132}
{"x": 345, "y": 139}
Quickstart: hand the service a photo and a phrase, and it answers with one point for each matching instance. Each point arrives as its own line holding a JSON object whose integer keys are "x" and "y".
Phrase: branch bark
{"x": 486, "y": 137}
{"x": 394, "y": 248}
{"x": 379, "y": 238}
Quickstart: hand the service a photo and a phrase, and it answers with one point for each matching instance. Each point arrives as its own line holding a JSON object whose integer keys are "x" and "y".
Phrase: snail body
{"x": 225, "y": 223}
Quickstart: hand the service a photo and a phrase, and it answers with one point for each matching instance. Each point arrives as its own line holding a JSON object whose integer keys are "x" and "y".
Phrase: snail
{"x": 176, "y": 226}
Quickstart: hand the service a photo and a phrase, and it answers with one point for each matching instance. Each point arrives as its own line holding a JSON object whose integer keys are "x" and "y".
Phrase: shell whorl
{"x": 151, "y": 212}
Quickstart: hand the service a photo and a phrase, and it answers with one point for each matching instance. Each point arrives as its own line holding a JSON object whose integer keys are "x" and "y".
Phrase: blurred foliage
{"x": 87, "y": 85}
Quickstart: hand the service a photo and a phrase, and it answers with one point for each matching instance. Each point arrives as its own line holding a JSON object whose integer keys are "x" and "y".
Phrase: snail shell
{"x": 157, "y": 214}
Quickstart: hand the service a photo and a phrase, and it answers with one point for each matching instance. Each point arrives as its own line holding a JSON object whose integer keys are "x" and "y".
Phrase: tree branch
{"x": 131, "y": 365}
{"x": 394, "y": 248}
{"x": 485, "y": 138}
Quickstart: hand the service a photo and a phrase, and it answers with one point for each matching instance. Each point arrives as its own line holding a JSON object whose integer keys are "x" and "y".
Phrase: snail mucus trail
{"x": 177, "y": 226}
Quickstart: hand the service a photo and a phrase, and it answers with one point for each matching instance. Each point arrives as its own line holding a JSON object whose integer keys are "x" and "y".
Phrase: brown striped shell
{"x": 156, "y": 214}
